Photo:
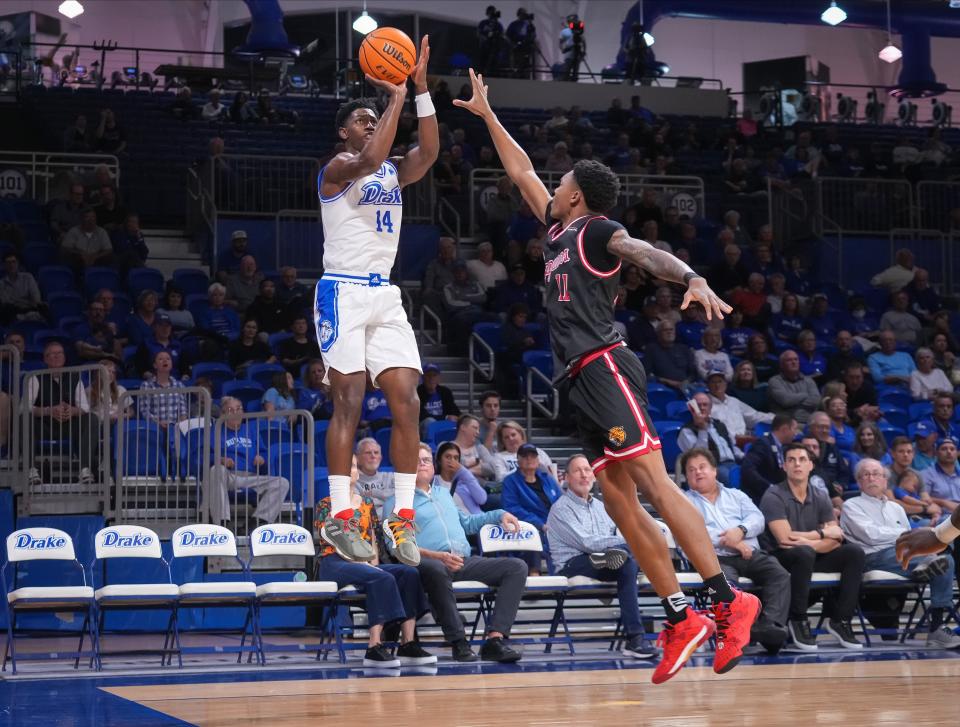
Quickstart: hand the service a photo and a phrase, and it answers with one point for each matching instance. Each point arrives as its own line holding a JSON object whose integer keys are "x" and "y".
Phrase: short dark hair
{"x": 599, "y": 184}
{"x": 466, "y": 418}
{"x": 781, "y": 420}
{"x": 696, "y": 452}
{"x": 488, "y": 394}
{"x": 343, "y": 113}
{"x": 897, "y": 441}
{"x": 797, "y": 445}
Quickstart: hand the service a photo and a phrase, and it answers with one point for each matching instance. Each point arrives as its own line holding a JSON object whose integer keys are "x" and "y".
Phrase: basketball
{"x": 388, "y": 54}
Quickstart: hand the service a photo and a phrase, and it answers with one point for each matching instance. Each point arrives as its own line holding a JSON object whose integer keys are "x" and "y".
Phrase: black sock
{"x": 718, "y": 588}
{"x": 675, "y": 607}
{"x": 936, "y": 618}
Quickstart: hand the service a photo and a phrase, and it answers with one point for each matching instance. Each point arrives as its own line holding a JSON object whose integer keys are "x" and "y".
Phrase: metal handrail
{"x": 425, "y": 312}
{"x": 532, "y": 402}
{"x": 453, "y": 231}
{"x": 43, "y": 167}
{"x": 290, "y": 215}
{"x": 10, "y": 356}
{"x": 477, "y": 366}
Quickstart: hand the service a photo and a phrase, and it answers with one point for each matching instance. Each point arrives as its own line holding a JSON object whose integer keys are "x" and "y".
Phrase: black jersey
{"x": 582, "y": 279}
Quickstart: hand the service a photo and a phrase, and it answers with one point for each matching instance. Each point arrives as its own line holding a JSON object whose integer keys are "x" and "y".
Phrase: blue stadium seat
{"x": 244, "y": 390}
{"x": 36, "y": 255}
{"x": 277, "y": 338}
{"x": 191, "y": 281}
{"x": 891, "y": 431}
{"x": 291, "y": 461}
{"x": 219, "y": 373}
{"x": 263, "y": 373}
{"x": 55, "y": 279}
{"x": 320, "y": 444}
{"x": 143, "y": 453}
{"x": 95, "y": 278}
{"x": 441, "y": 431}
{"x": 64, "y": 304}
{"x": 660, "y": 396}
{"x": 898, "y": 398}
{"x": 894, "y": 416}
{"x": 733, "y": 479}
{"x": 273, "y": 433}
{"x": 920, "y": 410}
{"x": 761, "y": 428}
{"x": 668, "y": 431}
{"x": 383, "y": 439}
{"x": 197, "y": 304}
{"x": 678, "y": 411}
{"x": 42, "y": 337}
{"x": 139, "y": 279}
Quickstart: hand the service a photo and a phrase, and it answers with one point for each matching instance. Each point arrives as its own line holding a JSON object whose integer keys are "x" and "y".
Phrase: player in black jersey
{"x": 608, "y": 389}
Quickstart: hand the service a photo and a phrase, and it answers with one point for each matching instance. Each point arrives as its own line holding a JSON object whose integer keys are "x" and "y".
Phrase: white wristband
{"x": 424, "y": 105}
{"x": 946, "y": 532}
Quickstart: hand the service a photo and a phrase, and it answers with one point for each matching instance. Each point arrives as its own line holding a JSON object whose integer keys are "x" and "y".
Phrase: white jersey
{"x": 361, "y": 225}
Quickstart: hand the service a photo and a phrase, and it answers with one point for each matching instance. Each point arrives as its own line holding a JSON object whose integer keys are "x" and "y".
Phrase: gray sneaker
{"x": 402, "y": 539}
{"x": 943, "y": 638}
{"x": 610, "y": 559}
{"x": 930, "y": 569}
{"x": 344, "y": 536}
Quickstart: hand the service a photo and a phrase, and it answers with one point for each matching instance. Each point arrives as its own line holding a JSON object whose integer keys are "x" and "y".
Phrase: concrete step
{"x": 171, "y": 249}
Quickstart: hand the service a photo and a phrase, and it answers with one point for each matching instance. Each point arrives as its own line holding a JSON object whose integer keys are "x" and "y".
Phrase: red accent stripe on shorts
{"x": 588, "y": 358}
{"x": 627, "y": 394}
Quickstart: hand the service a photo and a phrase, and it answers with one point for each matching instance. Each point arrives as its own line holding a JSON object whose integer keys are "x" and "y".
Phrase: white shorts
{"x": 363, "y": 326}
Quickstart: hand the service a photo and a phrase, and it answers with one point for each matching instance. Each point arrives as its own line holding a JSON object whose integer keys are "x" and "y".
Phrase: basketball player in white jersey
{"x": 362, "y": 327}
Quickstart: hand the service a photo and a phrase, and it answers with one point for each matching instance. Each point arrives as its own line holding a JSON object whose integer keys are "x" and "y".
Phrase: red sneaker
{"x": 734, "y": 620}
{"x": 679, "y": 641}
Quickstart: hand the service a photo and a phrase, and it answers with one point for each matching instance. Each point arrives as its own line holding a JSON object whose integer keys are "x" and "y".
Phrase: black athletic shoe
{"x": 801, "y": 636}
{"x": 638, "y": 647}
{"x": 610, "y": 559}
{"x": 462, "y": 651}
{"x": 496, "y": 649}
{"x": 843, "y": 632}
{"x": 412, "y": 654}
{"x": 378, "y": 656}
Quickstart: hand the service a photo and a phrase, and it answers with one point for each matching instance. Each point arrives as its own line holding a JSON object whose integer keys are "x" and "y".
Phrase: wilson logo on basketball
{"x": 617, "y": 436}
{"x": 397, "y": 54}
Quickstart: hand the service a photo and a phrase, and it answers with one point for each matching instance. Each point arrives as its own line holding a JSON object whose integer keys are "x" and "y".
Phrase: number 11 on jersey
{"x": 384, "y": 221}
{"x": 562, "y": 284}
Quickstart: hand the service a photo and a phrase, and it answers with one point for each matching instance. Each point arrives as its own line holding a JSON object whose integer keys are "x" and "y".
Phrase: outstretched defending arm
{"x": 515, "y": 160}
{"x": 345, "y": 168}
{"x": 670, "y": 268}
{"x": 928, "y": 541}
{"x": 418, "y": 160}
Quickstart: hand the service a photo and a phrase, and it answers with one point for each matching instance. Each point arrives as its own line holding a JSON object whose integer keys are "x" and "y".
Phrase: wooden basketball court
{"x": 816, "y": 691}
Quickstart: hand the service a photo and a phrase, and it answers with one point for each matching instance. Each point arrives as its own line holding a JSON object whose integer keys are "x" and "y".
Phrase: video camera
{"x": 576, "y": 25}
{"x": 522, "y": 14}
{"x": 493, "y": 13}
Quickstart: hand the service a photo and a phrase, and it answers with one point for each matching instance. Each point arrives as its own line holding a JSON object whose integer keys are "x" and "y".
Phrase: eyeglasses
{"x": 425, "y": 460}
{"x": 872, "y": 474}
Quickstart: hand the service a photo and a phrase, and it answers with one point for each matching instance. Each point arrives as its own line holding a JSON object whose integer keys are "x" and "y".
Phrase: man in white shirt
{"x": 484, "y": 269}
{"x": 733, "y": 523}
{"x": 213, "y": 109}
{"x": 738, "y": 417}
{"x": 874, "y": 522}
{"x": 897, "y": 276}
{"x": 373, "y": 483}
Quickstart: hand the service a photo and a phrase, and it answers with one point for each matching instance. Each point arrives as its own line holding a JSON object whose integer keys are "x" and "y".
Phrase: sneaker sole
{"x": 417, "y": 660}
{"x": 702, "y": 636}
{"x": 373, "y": 664}
{"x": 936, "y": 568}
{"x": 844, "y": 644}
{"x": 639, "y": 654}
{"x": 794, "y": 642}
{"x": 610, "y": 561}
{"x": 755, "y": 603}
{"x": 345, "y": 556}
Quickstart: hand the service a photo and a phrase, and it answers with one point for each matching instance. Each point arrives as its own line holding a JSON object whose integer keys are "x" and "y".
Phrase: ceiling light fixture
{"x": 70, "y": 8}
{"x": 364, "y": 23}
{"x": 834, "y": 15}
{"x": 890, "y": 53}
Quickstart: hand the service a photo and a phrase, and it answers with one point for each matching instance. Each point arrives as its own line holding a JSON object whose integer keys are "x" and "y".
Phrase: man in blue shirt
{"x": 376, "y": 412}
{"x": 446, "y": 557}
{"x": 218, "y": 319}
{"x": 237, "y": 468}
{"x": 436, "y": 400}
{"x": 734, "y": 524}
{"x": 941, "y": 420}
{"x": 584, "y": 541}
{"x": 943, "y": 479}
{"x": 888, "y": 365}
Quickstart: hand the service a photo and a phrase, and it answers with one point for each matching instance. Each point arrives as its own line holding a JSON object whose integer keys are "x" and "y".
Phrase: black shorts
{"x": 610, "y": 396}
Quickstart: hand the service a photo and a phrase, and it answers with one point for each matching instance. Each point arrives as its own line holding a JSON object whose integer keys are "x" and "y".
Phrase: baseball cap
{"x": 527, "y": 449}
{"x": 431, "y": 369}
{"x": 922, "y": 429}
{"x": 161, "y": 318}
{"x": 650, "y": 300}
{"x": 238, "y": 234}
{"x": 711, "y": 374}
{"x": 947, "y": 440}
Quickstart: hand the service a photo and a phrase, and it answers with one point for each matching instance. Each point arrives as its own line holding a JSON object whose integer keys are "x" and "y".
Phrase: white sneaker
{"x": 33, "y": 477}
{"x": 86, "y": 476}
{"x": 943, "y": 638}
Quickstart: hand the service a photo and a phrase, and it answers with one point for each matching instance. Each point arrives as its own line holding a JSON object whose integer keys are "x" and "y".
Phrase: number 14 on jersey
{"x": 384, "y": 221}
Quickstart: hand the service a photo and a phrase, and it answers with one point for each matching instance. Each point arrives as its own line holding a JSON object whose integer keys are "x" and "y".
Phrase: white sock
{"x": 339, "y": 494}
{"x": 403, "y": 488}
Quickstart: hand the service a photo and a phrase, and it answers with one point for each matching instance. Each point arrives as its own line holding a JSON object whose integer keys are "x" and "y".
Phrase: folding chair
{"x": 134, "y": 541}
{"x": 288, "y": 539}
{"x": 50, "y": 544}
{"x": 205, "y": 541}
{"x": 495, "y": 539}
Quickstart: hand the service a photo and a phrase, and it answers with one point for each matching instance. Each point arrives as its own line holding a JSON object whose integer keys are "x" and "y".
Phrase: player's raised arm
{"x": 670, "y": 268}
{"x": 347, "y": 167}
{"x": 515, "y": 160}
{"x": 418, "y": 160}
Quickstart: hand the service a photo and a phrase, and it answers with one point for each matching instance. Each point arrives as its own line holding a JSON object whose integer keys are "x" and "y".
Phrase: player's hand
{"x": 917, "y": 542}
{"x": 419, "y": 73}
{"x": 699, "y": 292}
{"x": 397, "y": 92}
{"x": 478, "y": 103}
